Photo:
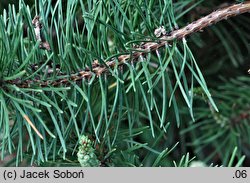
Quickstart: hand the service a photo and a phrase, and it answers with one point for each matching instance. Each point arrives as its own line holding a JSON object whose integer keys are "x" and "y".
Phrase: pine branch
{"x": 146, "y": 47}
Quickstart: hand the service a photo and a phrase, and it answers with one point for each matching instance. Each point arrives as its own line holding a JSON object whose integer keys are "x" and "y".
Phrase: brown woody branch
{"x": 98, "y": 69}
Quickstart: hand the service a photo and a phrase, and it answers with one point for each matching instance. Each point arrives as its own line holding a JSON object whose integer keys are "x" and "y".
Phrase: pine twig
{"x": 150, "y": 46}
{"x": 37, "y": 27}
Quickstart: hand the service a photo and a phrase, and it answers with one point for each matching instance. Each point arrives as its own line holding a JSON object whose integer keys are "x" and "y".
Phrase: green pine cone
{"x": 86, "y": 155}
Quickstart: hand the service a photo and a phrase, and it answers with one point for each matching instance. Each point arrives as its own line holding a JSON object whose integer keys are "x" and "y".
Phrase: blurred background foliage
{"x": 222, "y": 53}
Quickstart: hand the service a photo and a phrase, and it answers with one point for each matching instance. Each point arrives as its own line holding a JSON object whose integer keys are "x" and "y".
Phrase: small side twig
{"x": 37, "y": 27}
{"x": 150, "y": 46}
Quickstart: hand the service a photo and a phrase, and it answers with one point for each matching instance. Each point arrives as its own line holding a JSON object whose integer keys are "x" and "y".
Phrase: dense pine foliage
{"x": 186, "y": 101}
